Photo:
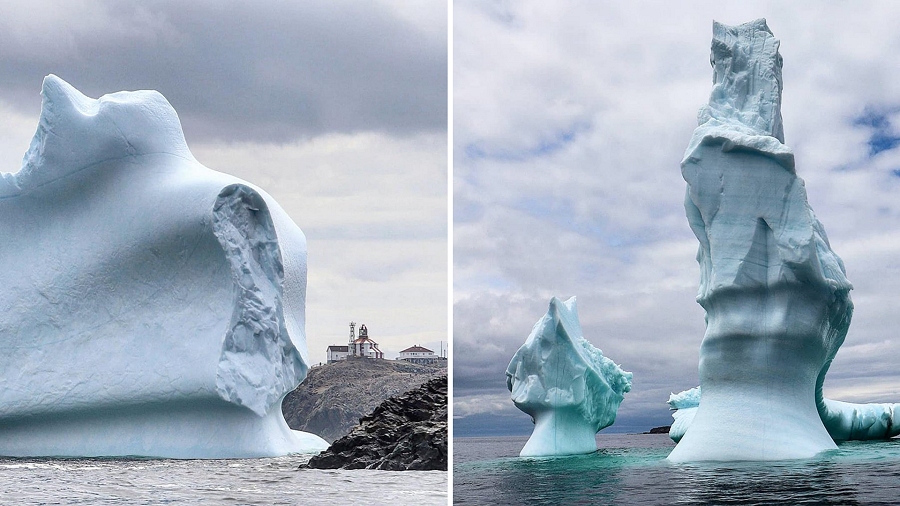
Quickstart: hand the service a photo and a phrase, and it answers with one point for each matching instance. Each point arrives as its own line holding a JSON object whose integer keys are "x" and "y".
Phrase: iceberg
{"x": 776, "y": 297}
{"x": 847, "y": 421}
{"x": 149, "y": 306}
{"x": 567, "y": 386}
{"x": 684, "y": 407}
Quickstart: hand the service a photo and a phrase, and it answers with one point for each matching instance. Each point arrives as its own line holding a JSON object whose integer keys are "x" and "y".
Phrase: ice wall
{"x": 568, "y": 387}
{"x": 148, "y": 305}
{"x": 844, "y": 421}
{"x": 776, "y": 298}
{"x": 847, "y": 421}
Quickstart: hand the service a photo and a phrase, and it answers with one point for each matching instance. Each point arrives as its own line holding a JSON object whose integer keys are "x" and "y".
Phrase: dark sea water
{"x": 242, "y": 481}
{"x": 631, "y": 469}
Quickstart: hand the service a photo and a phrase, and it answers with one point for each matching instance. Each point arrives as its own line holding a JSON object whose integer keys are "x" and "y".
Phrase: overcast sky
{"x": 338, "y": 109}
{"x": 570, "y": 121}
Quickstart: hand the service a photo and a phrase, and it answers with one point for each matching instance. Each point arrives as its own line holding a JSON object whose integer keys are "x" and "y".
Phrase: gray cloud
{"x": 336, "y": 108}
{"x": 374, "y": 211}
{"x": 241, "y": 70}
{"x": 569, "y": 125}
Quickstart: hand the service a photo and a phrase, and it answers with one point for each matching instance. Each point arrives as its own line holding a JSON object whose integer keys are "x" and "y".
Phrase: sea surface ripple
{"x": 631, "y": 469}
{"x": 108, "y": 481}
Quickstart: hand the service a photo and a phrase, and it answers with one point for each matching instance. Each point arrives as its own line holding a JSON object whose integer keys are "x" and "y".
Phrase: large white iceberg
{"x": 568, "y": 387}
{"x": 776, "y": 297}
{"x": 148, "y": 305}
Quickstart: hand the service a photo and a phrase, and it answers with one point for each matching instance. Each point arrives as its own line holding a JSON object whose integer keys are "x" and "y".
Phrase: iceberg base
{"x": 560, "y": 432}
{"x": 195, "y": 430}
{"x": 759, "y": 361}
{"x": 752, "y": 428}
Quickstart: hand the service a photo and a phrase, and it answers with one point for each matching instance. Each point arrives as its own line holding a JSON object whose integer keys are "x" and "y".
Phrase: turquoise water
{"x": 631, "y": 469}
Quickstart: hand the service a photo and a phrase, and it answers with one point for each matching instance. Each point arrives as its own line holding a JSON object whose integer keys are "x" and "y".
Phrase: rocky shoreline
{"x": 405, "y": 432}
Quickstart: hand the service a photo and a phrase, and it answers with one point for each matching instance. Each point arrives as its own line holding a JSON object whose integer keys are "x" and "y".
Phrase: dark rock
{"x": 334, "y": 396}
{"x": 406, "y": 432}
{"x": 659, "y": 430}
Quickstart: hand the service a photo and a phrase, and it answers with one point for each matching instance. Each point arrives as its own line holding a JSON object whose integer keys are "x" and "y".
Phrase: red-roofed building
{"x": 357, "y": 347}
{"x": 362, "y": 346}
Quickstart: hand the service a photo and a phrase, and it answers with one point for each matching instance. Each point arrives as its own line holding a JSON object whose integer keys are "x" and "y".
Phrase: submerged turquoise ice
{"x": 776, "y": 296}
{"x": 568, "y": 387}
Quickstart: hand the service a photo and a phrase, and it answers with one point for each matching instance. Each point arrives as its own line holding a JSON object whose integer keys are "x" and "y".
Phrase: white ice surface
{"x": 844, "y": 421}
{"x": 568, "y": 387}
{"x": 776, "y": 298}
{"x": 148, "y": 305}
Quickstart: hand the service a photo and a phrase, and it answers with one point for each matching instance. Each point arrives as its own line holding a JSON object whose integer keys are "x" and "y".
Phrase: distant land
{"x": 488, "y": 425}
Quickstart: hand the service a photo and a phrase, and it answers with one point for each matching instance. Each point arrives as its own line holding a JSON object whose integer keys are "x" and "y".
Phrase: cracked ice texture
{"x": 568, "y": 387}
{"x": 148, "y": 305}
{"x": 776, "y": 297}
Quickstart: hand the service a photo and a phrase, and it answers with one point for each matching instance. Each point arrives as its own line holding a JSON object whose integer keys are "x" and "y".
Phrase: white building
{"x": 337, "y": 353}
{"x": 419, "y": 355}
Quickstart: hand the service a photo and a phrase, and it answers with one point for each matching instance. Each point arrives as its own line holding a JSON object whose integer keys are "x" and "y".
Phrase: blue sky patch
{"x": 544, "y": 147}
{"x": 561, "y": 212}
{"x": 883, "y": 136}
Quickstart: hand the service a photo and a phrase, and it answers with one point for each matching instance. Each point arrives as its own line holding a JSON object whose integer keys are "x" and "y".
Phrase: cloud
{"x": 599, "y": 213}
{"x": 337, "y": 109}
{"x": 883, "y": 136}
{"x": 374, "y": 211}
{"x": 271, "y": 71}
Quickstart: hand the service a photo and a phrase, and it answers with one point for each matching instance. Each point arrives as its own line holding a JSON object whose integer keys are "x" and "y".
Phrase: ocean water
{"x": 242, "y": 481}
{"x": 631, "y": 469}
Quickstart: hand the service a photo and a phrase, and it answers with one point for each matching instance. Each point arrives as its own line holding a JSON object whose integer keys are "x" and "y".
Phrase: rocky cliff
{"x": 406, "y": 432}
{"x": 333, "y": 398}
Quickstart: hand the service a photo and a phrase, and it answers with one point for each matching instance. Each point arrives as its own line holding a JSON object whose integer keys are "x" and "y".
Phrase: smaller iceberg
{"x": 684, "y": 406}
{"x": 567, "y": 386}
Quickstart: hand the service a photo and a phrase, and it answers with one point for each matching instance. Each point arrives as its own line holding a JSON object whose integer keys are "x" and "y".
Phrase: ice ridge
{"x": 259, "y": 362}
{"x": 744, "y": 109}
{"x": 75, "y": 132}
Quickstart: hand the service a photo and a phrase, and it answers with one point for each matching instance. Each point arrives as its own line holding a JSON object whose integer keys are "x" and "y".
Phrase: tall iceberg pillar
{"x": 148, "y": 305}
{"x": 568, "y": 387}
{"x": 776, "y": 296}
